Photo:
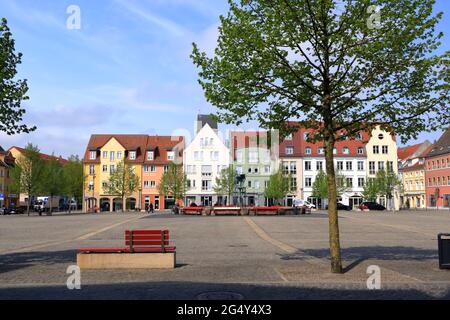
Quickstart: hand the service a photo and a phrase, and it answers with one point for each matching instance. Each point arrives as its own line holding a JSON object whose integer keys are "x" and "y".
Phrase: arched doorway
{"x": 117, "y": 204}
{"x": 91, "y": 204}
{"x": 105, "y": 205}
{"x": 131, "y": 204}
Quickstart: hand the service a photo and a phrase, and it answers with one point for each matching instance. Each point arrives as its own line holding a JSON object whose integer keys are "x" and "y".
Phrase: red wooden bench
{"x": 192, "y": 210}
{"x": 267, "y": 210}
{"x": 138, "y": 241}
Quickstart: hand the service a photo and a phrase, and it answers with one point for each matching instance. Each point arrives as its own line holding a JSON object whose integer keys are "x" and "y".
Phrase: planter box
{"x": 126, "y": 260}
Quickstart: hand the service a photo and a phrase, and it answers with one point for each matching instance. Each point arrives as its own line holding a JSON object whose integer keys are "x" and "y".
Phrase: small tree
{"x": 73, "y": 179}
{"x": 320, "y": 185}
{"x": 27, "y": 174}
{"x": 173, "y": 182}
{"x": 371, "y": 189}
{"x": 52, "y": 182}
{"x": 278, "y": 186}
{"x": 123, "y": 182}
{"x": 12, "y": 92}
{"x": 226, "y": 182}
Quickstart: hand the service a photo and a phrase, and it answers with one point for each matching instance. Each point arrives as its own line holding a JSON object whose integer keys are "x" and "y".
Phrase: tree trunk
{"x": 50, "y": 205}
{"x": 28, "y": 204}
{"x": 335, "y": 247}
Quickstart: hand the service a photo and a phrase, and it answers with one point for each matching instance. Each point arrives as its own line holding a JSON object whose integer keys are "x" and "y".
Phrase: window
{"x": 358, "y": 136}
{"x": 360, "y": 165}
{"x": 293, "y": 167}
{"x": 256, "y": 185}
{"x": 214, "y": 155}
{"x": 152, "y": 184}
{"x": 132, "y": 155}
{"x": 253, "y": 156}
{"x": 150, "y": 155}
{"x": 119, "y": 155}
{"x": 289, "y": 137}
{"x": 91, "y": 170}
{"x": 289, "y": 150}
{"x": 340, "y": 165}
{"x": 293, "y": 184}
{"x": 349, "y": 166}
{"x": 371, "y": 167}
{"x": 239, "y": 156}
{"x": 206, "y": 185}
{"x": 266, "y": 169}
{"x": 105, "y": 168}
{"x": 166, "y": 168}
{"x": 376, "y": 149}
{"x": 307, "y": 150}
{"x": 307, "y": 165}
{"x": 380, "y": 165}
{"x": 111, "y": 168}
{"x": 334, "y": 151}
{"x": 345, "y": 150}
{"x": 349, "y": 182}
{"x": 360, "y": 150}
{"x": 249, "y": 184}
{"x": 381, "y": 136}
{"x": 390, "y": 166}
{"x": 198, "y": 155}
{"x": 285, "y": 166}
{"x": 146, "y": 184}
{"x": 360, "y": 182}
{"x": 105, "y": 154}
{"x": 145, "y": 167}
{"x": 319, "y": 166}
{"x": 320, "y": 150}
{"x": 306, "y": 136}
{"x": 384, "y": 149}
{"x": 239, "y": 170}
{"x": 93, "y": 155}
{"x": 206, "y": 171}
{"x": 153, "y": 168}
{"x": 111, "y": 155}
{"x": 170, "y": 155}
{"x": 308, "y": 182}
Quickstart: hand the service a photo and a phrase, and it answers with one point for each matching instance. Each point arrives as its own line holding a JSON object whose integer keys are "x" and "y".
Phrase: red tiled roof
{"x": 135, "y": 142}
{"x": 45, "y": 156}
{"x": 405, "y": 152}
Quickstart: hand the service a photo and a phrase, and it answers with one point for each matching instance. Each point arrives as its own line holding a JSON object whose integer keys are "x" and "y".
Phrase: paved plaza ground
{"x": 281, "y": 257}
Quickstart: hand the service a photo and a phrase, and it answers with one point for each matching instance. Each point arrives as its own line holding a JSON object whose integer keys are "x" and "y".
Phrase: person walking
{"x": 150, "y": 208}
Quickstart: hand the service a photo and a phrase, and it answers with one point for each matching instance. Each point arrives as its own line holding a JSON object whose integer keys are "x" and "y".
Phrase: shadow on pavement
{"x": 15, "y": 261}
{"x": 191, "y": 291}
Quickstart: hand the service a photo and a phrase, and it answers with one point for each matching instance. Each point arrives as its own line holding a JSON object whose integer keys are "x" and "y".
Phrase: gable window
{"x": 92, "y": 155}
{"x": 150, "y": 155}
{"x": 105, "y": 154}
{"x": 132, "y": 155}
{"x": 289, "y": 150}
{"x": 170, "y": 155}
{"x": 111, "y": 156}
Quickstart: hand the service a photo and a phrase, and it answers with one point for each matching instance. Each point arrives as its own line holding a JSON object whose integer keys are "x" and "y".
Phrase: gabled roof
{"x": 203, "y": 119}
{"x": 406, "y": 152}
{"x": 442, "y": 146}
{"x": 43, "y": 156}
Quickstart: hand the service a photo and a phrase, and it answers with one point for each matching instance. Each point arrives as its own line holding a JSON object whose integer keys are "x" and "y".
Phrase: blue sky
{"x": 127, "y": 70}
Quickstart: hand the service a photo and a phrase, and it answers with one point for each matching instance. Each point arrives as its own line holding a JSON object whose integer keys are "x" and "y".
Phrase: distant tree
{"x": 52, "y": 182}
{"x": 12, "y": 92}
{"x": 73, "y": 179}
{"x": 173, "y": 182}
{"x": 335, "y": 66}
{"x": 278, "y": 186}
{"x": 123, "y": 182}
{"x": 320, "y": 185}
{"x": 371, "y": 190}
{"x": 226, "y": 183}
{"x": 27, "y": 173}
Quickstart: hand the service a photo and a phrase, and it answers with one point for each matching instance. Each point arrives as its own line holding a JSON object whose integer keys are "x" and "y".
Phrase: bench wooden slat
{"x": 146, "y": 243}
{"x": 137, "y": 238}
{"x": 145, "y": 232}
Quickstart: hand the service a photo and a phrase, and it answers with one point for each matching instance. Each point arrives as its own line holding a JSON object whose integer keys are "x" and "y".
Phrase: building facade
{"x": 146, "y": 155}
{"x": 204, "y": 159}
{"x": 6, "y": 163}
{"x": 411, "y": 166}
{"x": 382, "y": 155}
{"x": 437, "y": 173}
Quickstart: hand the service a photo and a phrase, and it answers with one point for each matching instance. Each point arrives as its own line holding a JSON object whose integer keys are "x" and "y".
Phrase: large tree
{"x": 278, "y": 186}
{"x": 27, "y": 174}
{"x": 335, "y": 65}
{"x": 52, "y": 182}
{"x": 226, "y": 183}
{"x": 173, "y": 182}
{"x": 12, "y": 91}
{"x": 122, "y": 182}
{"x": 73, "y": 179}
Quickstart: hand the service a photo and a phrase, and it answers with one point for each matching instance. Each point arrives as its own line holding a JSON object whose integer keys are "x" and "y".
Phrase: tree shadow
{"x": 357, "y": 255}
{"x": 20, "y": 260}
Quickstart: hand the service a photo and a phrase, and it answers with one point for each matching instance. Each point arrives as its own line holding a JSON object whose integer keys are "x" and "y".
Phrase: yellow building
{"x": 103, "y": 154}
{"x": 381, "y": 152}
{"x": 6, "y": 163}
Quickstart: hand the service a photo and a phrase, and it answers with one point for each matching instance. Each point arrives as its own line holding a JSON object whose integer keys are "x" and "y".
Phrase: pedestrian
{"x": 150, "y": 208}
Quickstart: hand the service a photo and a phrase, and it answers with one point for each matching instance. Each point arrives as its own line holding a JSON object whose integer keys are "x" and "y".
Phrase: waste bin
{"x": 444, "y": 250}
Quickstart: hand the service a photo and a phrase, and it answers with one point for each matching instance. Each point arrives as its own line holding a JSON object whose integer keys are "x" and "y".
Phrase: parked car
{"x": 301, "y": 203}
{"x": 371, "y": 206}
{"x": 11, "y": 209}
{"x": 341, "y": 206}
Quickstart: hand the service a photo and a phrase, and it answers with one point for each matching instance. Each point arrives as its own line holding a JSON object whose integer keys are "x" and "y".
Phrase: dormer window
{"x": 307, "y": 150}
{"x": 150, "y": 155}
{"x": 345, "y": 150}
{"x": 92, "y": 155}
{"x": 132, "y": 155}
{"x": 170, "y": 155}
{"x": 289, "y": 137}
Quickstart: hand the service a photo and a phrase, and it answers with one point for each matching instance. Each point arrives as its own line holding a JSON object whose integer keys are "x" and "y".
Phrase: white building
{"x": 204, "y": 159}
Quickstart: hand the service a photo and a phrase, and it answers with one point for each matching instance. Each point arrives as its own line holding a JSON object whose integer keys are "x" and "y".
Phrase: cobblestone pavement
{"x": 283, "y": 257}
